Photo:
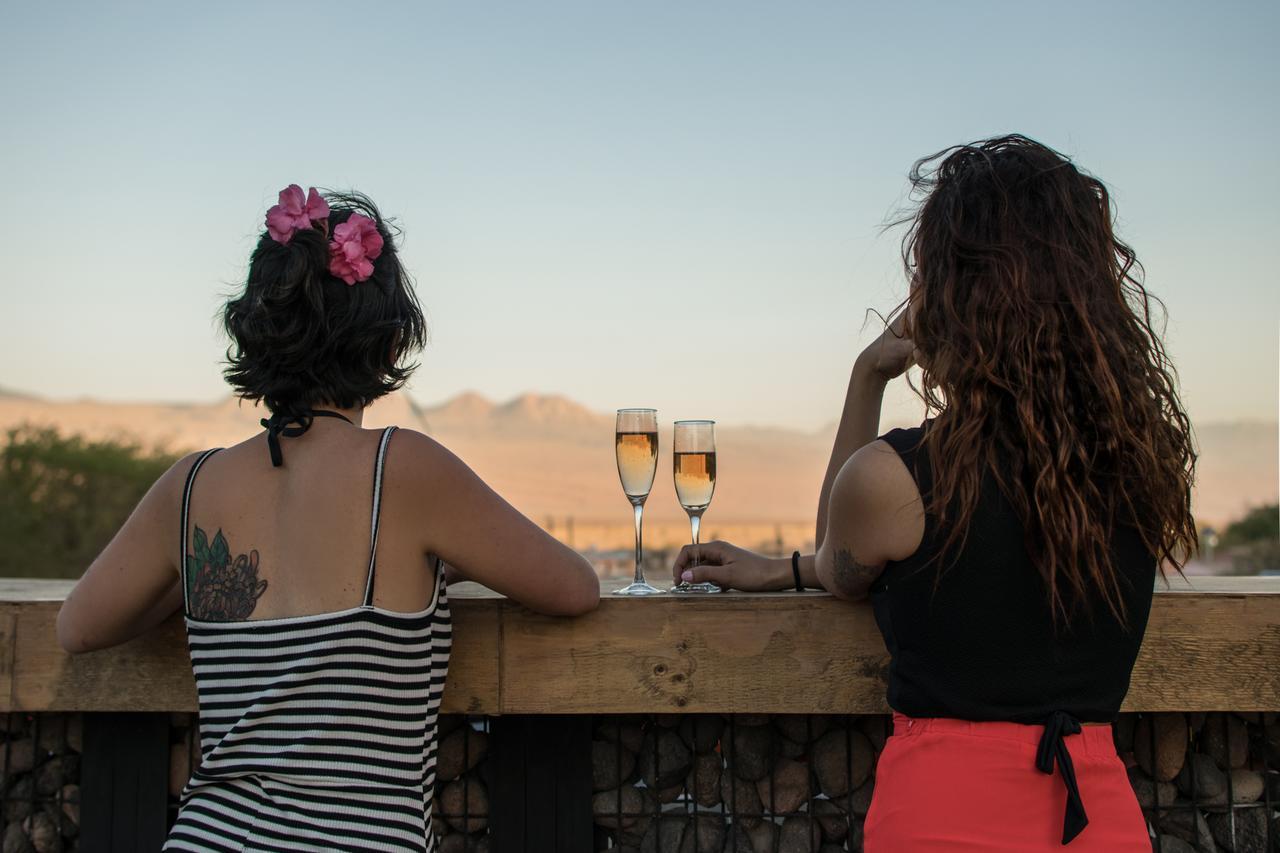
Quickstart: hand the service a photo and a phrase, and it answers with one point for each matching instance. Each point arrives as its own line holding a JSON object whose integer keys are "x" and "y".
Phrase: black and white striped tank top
{"x": 317, "y": 732}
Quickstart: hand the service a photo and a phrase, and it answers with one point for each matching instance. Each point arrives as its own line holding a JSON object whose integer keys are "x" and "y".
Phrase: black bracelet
{"x": 795, "y": 570}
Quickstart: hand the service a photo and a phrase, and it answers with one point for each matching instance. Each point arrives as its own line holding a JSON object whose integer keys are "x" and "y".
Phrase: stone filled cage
{"x": 690, "y": 783}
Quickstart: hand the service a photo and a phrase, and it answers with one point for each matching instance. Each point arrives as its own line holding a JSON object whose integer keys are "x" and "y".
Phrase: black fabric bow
{"x": 291, "y": 425}
{"x": 1052, "y": 746}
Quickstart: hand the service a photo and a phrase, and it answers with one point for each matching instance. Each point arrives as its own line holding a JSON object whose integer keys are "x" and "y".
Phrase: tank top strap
{"x": 377, "y": 510}
{"x": 186, "y": 525}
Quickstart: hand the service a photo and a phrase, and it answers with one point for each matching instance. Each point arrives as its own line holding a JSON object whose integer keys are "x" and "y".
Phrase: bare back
{"x": 297, "y": 538}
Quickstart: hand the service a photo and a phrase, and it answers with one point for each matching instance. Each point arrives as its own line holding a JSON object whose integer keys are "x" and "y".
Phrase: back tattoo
{"x": 219, "y": 590}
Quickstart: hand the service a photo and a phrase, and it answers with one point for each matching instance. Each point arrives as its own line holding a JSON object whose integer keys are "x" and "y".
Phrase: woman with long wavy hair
{"x": 1010, "y": 544}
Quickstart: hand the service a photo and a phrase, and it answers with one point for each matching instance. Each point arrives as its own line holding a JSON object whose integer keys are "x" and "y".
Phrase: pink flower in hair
{"x": 295, "y": 212}
{"x": 355, "y": 245}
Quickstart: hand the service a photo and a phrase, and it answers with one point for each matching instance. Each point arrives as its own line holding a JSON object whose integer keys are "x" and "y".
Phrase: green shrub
{"x": 62, "y": 498}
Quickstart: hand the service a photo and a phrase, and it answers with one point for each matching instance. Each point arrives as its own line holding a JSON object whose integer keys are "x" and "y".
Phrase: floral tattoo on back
{"x": 218, "y": 588}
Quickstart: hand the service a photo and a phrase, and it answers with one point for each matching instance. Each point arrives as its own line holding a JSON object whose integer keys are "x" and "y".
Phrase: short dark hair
{"x": 301, "y": 337}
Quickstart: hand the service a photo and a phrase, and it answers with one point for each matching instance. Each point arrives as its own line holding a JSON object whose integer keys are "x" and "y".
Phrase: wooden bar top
{"x": 1211, "y": 644}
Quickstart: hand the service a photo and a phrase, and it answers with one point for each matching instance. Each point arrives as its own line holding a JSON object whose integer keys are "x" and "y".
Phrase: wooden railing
{"x": 1212, "y": 644}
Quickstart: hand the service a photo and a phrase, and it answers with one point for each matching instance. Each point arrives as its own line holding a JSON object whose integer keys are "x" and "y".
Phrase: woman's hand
{"x": 731, "y": 566}
{"x": 890, "y": 355}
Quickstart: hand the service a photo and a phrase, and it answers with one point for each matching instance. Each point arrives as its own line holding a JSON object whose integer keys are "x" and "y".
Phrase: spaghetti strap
{"x": 182, "y": 539}
{"x": 377, "y": 509}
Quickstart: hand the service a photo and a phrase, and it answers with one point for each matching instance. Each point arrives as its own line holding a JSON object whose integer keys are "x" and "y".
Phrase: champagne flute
{"x": 694, "y": 449}
{"x": 636, "y": 445}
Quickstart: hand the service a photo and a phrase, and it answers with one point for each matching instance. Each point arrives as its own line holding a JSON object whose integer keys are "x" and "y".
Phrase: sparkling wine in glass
{"x": 636, "y": 445}
{"x": 695, "y": 472}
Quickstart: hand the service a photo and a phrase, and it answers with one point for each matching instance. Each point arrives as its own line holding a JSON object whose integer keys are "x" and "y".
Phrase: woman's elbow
{"x": 70, "y": 638}
{"x": 585, "y": 596}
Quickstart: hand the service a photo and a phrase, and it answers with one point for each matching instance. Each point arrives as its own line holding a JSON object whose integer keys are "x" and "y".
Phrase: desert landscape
{"x": 553, "y": 459}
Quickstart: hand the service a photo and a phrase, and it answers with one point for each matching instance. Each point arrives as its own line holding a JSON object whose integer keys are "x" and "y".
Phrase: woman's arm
{"x": 133, "y": 584}
{"x": 875, "y": 516}
{"x": 885, "y": 358}
{"x": 482, "y": 537}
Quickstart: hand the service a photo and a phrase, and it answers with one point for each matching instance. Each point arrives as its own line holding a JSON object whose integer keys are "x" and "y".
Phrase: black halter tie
{"x": 292, "y": 425}
{"x": 1052, "y": 746}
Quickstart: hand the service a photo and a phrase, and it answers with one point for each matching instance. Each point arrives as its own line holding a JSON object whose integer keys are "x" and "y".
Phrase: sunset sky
{"x": 667, "y": 204}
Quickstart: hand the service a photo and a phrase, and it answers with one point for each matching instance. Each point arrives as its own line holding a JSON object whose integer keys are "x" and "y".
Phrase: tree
{"x": 62, "y": 498}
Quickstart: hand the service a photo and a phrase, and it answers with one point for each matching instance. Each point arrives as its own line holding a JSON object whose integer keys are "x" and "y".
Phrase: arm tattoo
{"x": 852, "y": 577}
{"x": 219, "y": 589}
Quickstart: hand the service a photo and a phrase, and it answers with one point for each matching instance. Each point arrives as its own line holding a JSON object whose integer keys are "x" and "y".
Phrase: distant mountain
{"x": 553, "y": 458}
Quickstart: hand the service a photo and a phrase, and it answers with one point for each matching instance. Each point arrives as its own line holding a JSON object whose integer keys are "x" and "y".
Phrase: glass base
{"x": 696, "y": 588}
{"x": 638, "y": 588}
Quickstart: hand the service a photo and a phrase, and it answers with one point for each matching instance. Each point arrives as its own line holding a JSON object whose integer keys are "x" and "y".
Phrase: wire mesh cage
{"x": 785, "y": 784}
{"x": 41, "y": 782}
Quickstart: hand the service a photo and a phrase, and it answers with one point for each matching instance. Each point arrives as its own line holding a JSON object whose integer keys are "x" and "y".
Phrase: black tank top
{"x": 982, "y": 644}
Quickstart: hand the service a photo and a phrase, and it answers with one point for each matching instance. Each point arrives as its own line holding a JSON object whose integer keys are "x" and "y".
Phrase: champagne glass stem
{"x": 695, "y": 521}
{"x": 639, "y": 509}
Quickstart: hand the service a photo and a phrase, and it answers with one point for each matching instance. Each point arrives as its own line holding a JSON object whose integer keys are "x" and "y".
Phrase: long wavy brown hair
{"x": 1042, "y": 366}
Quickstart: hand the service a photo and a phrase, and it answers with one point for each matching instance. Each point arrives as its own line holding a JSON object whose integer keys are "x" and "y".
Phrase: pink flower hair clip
{"x": 295, "y": 212}
{"x": 356, "y": 243}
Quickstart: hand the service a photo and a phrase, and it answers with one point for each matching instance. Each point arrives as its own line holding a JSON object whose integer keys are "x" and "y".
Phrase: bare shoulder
{"x": 419, "y": 464}
{"x": 876, "y": 500}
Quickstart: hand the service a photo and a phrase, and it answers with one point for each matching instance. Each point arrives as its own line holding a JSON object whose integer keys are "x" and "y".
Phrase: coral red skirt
{"x": 952, "y": 785}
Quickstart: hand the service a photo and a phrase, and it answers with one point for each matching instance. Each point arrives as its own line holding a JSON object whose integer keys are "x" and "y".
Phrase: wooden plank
{"x": 1209, "y": 653}
{"x": 783, "y": 654}
{"x": 8, "y": 655}
{"x": 1210, "y": 647}
{"x": 474, "y": 659}
{"x": 153, "y": 673}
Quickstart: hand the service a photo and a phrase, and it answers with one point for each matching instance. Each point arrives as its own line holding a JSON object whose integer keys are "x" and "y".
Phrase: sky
{"x": 677, "y": 205}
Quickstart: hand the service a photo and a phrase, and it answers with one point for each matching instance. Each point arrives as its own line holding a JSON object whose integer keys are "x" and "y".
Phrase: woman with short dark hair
{"x": 1010, "y": 543}
{"x": 309, "y": 560}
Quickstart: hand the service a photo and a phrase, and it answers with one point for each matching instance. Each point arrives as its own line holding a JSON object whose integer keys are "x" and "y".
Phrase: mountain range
{"x": 553, "y": 458}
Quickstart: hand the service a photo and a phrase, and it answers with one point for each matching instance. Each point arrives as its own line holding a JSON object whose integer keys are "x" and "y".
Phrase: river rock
{"x": 786, "y": 789}
{"x": 17, "y": 799}
{"x": 1170, "y": 745}
{"x": 43, "y": 832}
{"x": 15, "y": 840}
{"x": 704, "y": 779}
{"x": 1174, "y": 844}
{"x": 1189, "y": 825}
{"x": 20, "y": 755}
{"x": 70, "y": 810}
{"x": 842, "y": 761}
{"x": 876, "y": 728}
{"x": 637, "y": 806}
{"x": 763, "y": 836}
{"x": 1226, "y": 740}
{"x": 701, "y": 732}
{"x": 1246, "y": 786}
{"x": 1202, "y": 781}
{"x": 471, "y": 793}
{"x": 626, "y": 729}
{"x": 708, "y": 833}
{"x": 751, "y": 719}
{"x": 611, "y": 765}
{"x": 664, "y": 760}
{"x": 860, "y": 800}
{"x": 802, "y": 728}
{"x": 1146, "y": 789}
{"x": 1251, "y": 830}
{"x": 833, "y": 822}
{"x": 752, "y": 751}
{"x": 460, "y": 750}
{"x": 799, "y": 834}
{"x": 668, "y": 835}
{"x": 740, "y": 798}
{"x": 75, "y": 732}
{"x": 53, "y": 734}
